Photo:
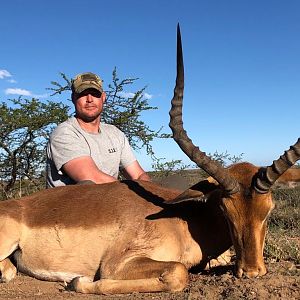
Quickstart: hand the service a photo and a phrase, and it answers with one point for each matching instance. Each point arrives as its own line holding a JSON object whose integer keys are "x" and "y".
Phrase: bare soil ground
{"x": 281, "y": 282}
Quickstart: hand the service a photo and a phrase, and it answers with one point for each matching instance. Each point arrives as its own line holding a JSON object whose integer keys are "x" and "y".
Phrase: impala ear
{"x": 198, "y": 192}
{"x": 188, "y": 195}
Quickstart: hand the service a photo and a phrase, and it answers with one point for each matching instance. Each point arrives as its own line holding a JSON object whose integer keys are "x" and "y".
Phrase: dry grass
{"x": 283, "y": 238}
{"x": 22, "y": 188}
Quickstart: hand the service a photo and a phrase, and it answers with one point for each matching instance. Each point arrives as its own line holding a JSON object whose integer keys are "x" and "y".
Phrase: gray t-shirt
{"x": 109, "y": 149}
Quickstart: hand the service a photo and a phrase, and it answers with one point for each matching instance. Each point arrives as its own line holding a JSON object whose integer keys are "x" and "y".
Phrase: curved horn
{"x": 266, "y": 177}
{"x": 185, "y": 143}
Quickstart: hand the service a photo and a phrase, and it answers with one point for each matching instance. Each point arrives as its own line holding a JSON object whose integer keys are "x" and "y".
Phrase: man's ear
{"x": 103, "y": 97}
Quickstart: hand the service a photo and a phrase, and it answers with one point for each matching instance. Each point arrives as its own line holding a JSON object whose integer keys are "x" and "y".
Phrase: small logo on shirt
{"x": 112, "y": 150}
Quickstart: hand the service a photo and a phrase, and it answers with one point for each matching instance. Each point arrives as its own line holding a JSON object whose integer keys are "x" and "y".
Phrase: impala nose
{"x": 251, "y": 272}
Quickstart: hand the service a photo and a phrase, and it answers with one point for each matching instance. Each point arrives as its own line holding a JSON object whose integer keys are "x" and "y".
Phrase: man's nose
{"x": 89, "y": 98}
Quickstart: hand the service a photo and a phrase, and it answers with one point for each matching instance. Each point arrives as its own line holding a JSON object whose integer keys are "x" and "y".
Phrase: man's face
{"x": 89, "y": 104}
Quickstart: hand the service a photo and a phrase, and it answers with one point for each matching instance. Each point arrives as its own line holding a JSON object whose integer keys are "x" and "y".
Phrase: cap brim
{"x": 85, "y": 86}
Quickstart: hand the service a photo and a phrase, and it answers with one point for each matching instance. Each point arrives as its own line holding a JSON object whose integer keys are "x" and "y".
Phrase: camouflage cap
{"x": 86, "y": 81}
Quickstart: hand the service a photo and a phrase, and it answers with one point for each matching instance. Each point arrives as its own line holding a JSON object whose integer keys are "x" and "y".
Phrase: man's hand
{"x": 144, "y": 176}
{"x": 135, "y": 171}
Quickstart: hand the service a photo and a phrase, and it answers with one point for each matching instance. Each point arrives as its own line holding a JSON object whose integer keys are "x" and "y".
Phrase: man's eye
{"x": 96, "y": 94}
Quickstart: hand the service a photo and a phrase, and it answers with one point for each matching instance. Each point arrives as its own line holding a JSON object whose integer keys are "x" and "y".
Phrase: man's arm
{"x": 84, "y": 168}
{"x": 135, "y": 171}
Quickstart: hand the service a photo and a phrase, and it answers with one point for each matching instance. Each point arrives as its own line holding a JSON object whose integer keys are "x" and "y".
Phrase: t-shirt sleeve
{"x": 66, "y": 144}
{"x": 127, "y": 155}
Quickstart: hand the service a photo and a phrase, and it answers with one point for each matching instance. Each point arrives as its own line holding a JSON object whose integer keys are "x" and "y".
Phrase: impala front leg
{"x": 138, "y": 275}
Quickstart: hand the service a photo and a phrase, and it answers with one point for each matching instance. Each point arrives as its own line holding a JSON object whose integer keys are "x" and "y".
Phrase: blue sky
{"x": 242, "y": 63}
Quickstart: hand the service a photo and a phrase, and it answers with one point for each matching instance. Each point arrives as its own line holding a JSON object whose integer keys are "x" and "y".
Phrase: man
{"x": 83, "y": 148}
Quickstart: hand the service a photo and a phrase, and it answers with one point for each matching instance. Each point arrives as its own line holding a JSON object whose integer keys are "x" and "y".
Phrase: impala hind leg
{"x": 138, "y": 275}
{"x": 8, "y": 270}
{"x": 9, "y": 242}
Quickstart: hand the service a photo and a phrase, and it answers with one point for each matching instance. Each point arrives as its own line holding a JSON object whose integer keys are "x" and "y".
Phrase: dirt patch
{"x": 281, "y": 282}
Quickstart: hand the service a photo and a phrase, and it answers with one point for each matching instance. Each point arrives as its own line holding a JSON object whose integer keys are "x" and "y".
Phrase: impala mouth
{"x": 251, "y": 272}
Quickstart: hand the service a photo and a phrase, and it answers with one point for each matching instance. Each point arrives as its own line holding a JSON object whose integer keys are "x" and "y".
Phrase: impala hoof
{"x": 77, "y": 284}
{"x": 74, "y": 284}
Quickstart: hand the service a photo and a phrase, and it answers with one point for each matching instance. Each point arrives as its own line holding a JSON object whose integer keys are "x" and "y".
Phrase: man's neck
{"x": 90, "y": 127}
